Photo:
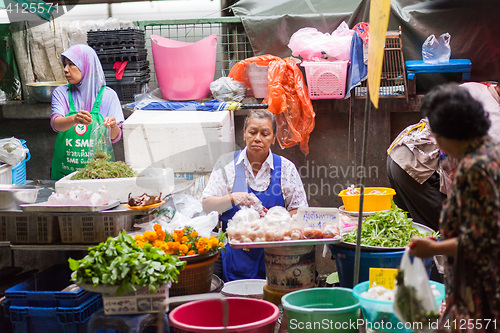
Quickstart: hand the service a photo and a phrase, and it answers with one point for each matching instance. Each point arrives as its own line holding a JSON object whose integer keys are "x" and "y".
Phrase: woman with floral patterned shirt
{"x": 470, "y": 218}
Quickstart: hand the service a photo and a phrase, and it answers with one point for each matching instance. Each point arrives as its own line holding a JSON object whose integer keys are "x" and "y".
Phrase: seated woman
{"x": 255, "y": 169}
{"x": 83, "y": 104}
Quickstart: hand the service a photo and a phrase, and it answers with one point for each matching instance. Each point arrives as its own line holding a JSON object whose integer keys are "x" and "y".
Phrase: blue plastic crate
{"x": 19, "y": 170}
{"x": 53, "y": 319}
{"x": 44, "y": 290}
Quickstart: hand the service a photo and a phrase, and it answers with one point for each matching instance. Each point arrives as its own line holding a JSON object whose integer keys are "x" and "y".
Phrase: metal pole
{"x": 361, "y": 188}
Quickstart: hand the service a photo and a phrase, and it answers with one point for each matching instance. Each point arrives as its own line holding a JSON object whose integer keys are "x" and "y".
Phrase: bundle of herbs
{"x": 121, "y": 262}
{"x": 391, "y": 228}
{"x": 100, "y": 167}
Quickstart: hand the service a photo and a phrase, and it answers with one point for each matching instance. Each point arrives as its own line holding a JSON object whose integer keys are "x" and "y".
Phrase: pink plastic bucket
{"x": 184, "y": 70}
{"x": 246, "y": 315}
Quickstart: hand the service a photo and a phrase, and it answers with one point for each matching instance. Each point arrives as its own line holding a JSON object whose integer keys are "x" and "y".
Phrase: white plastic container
{"x": 151, "y": 181}
{"x": 5, "y": 174}
{"x": 186, "y": 141}
{"x": 257, "y": 75}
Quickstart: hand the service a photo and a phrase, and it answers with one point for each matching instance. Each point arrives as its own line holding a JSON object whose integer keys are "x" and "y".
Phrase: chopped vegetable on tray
{"x": 391, "y": 228}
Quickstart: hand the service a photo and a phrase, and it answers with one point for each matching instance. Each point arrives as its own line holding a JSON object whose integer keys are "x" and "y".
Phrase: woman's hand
{"x": 110, "y": 122}
{"x": 242, "y": 199}
{"x": 83, "y": 117}
{"x": 423, "y": 247}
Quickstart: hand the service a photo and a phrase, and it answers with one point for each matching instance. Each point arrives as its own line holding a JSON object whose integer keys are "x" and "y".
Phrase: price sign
{"x": 385, "y": 277}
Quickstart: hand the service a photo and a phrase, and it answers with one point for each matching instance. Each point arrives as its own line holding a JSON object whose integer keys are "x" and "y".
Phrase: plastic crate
{"x": 53, "y": 319}
{"x": 23, "y": 228}
{"x": 326, "y": 79}
{"x": 131, "y": 66}
{"x": 4, "y": 227}
{"x": 92, "y": 228}
{"x": 45, "y": 290}
{"x": 126, "y": 92}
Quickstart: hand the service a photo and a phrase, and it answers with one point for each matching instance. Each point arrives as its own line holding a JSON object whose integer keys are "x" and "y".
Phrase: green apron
{"x": 73, "y": 147}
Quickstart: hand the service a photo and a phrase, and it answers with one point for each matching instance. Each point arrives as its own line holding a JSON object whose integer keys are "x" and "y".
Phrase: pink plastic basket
{"x": 326, "y": 79}
{"x": 184, "y": 70}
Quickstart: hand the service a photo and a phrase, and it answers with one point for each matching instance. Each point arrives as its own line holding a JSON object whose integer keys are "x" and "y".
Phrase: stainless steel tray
{"x": 420, "y": 227}
{"x": 44, "y": 207}
{"x": 299, "y": 242}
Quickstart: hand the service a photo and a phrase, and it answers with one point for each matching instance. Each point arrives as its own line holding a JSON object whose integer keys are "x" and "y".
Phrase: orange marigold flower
{"x": 161, "y": 234}
{"x": 202, "y": 242}
{"x": 183, "y": 249}
{"x": 193, "y": 234}
{"x": 179, "y": 233}
{"x": 139, "y": 243}
{"x": 139, "y": 238}
{"x": 184, "y": 239}
{"x": 221, "y": 244}
{"x": 175, "y": 237}
{"x": 158, "y": 243}
{"x": 202, "y": 250}
{"x": 150, "y": 235}
{"x": 157, "y": 227}
{"x": 191, "y": 252}
{"x": 213, "y": 241}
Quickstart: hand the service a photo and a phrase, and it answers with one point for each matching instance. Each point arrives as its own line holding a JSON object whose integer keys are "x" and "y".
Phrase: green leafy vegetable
{"x": 391, "y": 228}
{"x": 410, "y": 304}
{"x": 121, "y": 262}
{"x": 99, "y": 167}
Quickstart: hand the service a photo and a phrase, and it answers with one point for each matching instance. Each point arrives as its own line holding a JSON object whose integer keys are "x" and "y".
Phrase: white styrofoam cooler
{"x": 152, "y": 181}
{"x": 186, "y": 141}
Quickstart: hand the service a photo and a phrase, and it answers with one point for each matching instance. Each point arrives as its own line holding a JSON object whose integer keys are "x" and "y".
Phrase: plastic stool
{"x": 414, "y": 67}
{"x": 124, "y": 323}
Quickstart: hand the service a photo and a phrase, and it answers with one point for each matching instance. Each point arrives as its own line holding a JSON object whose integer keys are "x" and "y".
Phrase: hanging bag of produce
{"x": 414, "y": 301}
{"x": 101, "y": 139}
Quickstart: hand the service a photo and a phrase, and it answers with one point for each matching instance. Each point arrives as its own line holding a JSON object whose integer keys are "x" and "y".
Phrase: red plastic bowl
{"x": 246, "y": 315}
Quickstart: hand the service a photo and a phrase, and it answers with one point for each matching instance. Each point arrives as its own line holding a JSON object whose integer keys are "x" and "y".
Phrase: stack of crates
{"x": 116, "y": 46}
{"x": 39, "y": 304}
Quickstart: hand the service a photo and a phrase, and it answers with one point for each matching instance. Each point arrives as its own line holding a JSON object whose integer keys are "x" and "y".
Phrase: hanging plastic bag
{"x": 287, "y": 98}
{"x": 414, "y": 300}
{"x": 101, "y": 138}
{"x": 435, "y": 51}
{"x": 12, "y": 151}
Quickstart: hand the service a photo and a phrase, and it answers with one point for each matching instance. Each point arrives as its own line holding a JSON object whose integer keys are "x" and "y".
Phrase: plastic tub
{"x": 371, "y": 202}
{"x": 19, "y": 170}
{"x": 184, "y": 70}
{"x": 344, "y": 259}
{"x": 252, "y": 288}
{"x": 321, "y": 310}
{"x": 246, "y": 315}
{"x": 381, "y": 314}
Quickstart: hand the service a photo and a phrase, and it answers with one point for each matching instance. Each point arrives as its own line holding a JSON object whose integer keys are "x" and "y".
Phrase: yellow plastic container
{"x": 371, "y": 202}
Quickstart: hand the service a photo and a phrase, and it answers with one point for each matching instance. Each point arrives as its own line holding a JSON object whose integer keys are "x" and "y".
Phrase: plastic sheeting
{"x": 288, "y": 98}
{"x": 473, "y": 25}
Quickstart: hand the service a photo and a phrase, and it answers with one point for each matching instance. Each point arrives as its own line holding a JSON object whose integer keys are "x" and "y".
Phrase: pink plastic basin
{"x": 184, "y": 70}
{"x": 247, "y": 315}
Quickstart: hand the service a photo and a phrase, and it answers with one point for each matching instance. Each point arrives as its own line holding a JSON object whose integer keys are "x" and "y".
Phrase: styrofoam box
{"x": 5, "y": 174}
{"x": 140, "y": 301}
{"x": 186, "y": 141}
{"x": 152, "y": 181}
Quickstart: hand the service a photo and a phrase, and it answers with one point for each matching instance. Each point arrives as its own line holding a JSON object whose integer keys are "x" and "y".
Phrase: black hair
{"x": 454, "y": 114}
{"x": 261, "y": 114}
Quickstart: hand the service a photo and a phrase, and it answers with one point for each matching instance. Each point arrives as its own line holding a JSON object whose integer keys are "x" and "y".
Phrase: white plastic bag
{"x": 414, "y": 299}
{"x": 12, "y": 151}
{"x": 226, "y": 89}
{"x": 309, "y": 43}
{"x": 436, "y": 51}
